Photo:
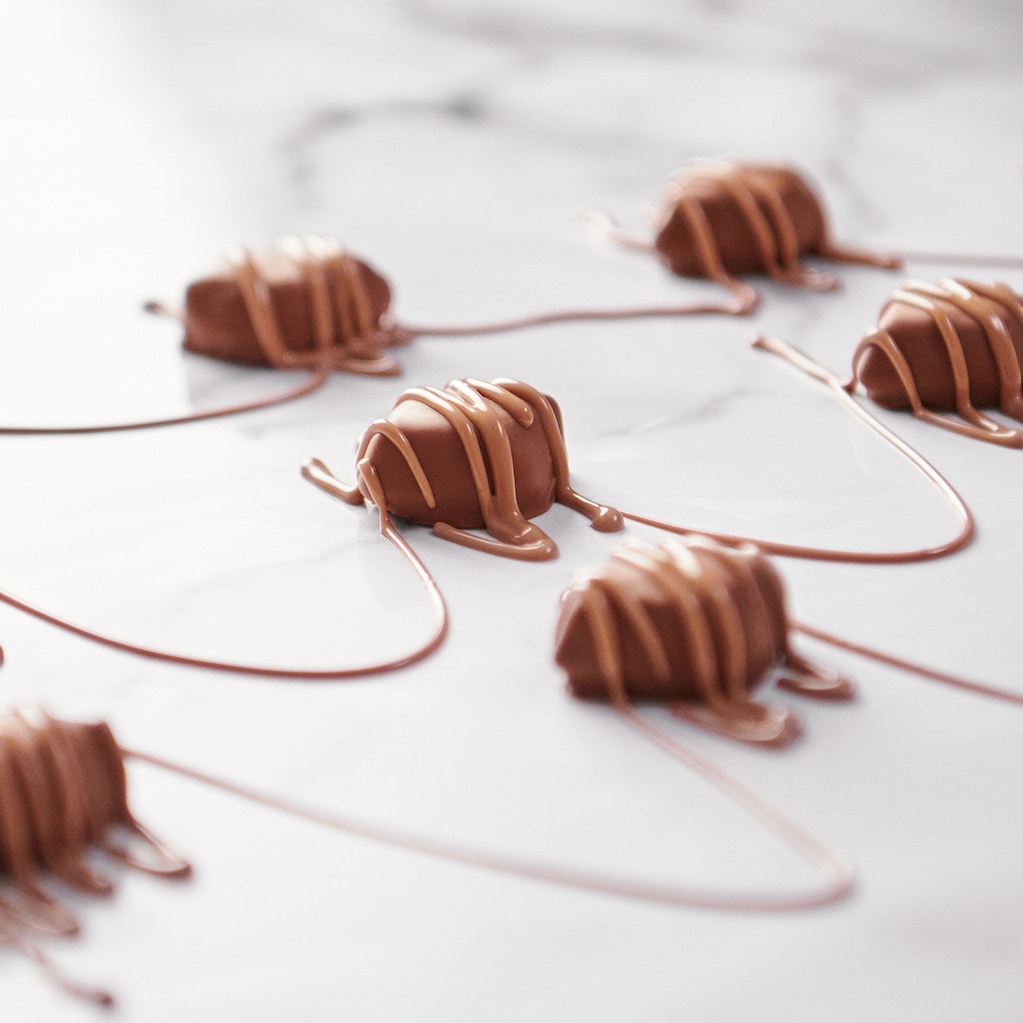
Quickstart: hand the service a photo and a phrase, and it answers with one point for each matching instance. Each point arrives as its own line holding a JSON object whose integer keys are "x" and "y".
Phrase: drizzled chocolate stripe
{"x": 340, "y": 321}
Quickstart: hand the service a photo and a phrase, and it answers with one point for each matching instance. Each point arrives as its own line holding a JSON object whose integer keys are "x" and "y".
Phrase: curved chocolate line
{"x": 840, "y": 879}
{"x": 308, "y": 674}
{"x": 968, "y": 527}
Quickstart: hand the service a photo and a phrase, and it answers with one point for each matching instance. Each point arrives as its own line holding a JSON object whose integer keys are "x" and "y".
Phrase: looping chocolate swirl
{"x": 956, "y": 345}
{"x": 693, "y": 623}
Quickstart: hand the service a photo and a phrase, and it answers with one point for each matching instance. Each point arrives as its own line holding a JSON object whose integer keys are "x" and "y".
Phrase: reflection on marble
{"x": 457, "y": 146}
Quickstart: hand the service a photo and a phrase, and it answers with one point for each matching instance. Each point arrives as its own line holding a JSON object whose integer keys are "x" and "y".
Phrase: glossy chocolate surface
{"x": 953, "y": 346}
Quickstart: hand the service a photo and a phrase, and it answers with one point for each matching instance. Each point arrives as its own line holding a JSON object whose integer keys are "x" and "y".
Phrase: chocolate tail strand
{"x": 46, "y": 966}
{"x": 979, "y": 688}
{"x": 740, "y": 307}
{"x": 841, "y": 390}
{"x": 436, "y": 598}
{"x": 965, "y": 259}
{"x": 967, "y": 529}
{"x": 841, "y": 879}
{"x": 314, "y": 381}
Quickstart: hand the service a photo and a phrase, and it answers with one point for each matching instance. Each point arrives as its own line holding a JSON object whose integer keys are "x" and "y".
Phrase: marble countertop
{"x": 458, "y": 146}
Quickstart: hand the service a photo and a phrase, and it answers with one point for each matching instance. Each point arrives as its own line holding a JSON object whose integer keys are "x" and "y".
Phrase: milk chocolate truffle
{"x": 285, "y": 306}
{"x": 471, "y": 455}
{"x": 692, "y": 623}
{"x": 720, "y": 219}
{"x": 954, "y": 346}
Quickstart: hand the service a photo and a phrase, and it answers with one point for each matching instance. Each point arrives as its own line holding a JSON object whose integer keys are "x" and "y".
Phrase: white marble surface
{"x": 456, "y": 144}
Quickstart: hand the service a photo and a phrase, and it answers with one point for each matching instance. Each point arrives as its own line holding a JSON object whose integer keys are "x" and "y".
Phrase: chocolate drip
{"x": 63, "y": 791}
{"x": 472, "y": 455}
{"x": 691, "y": 623}
{"x": 956, "y": 345}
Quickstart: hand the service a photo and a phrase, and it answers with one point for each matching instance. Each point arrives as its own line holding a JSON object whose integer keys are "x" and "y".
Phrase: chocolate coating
{"x": 279, "y": 307}
{"x": 695, "y": 624}
{"x": 716, "y": 192}
{"x": 445, "y": 462}
{"x": 954, "y": 346}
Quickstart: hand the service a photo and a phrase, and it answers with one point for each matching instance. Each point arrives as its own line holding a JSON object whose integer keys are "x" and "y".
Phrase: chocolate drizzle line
{"x": 967, "y": 529}
{"x": 988, "y": 305}
{"x": 979, "y": 688}
{"x": 741, "y": 307}
{"x": 316, "y": 380}
{"x": 839, "y": 876}
{"x": 964, "y": 259}
{"x": 307, "y": 674}
{"x": 62, "y": 791}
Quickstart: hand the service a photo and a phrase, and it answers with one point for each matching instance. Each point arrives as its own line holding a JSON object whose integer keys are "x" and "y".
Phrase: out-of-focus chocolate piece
{"x": 720, "y": 219}
{"x": 953, "y": 346}
{"x": 63, "y": 792}
{"x": 692, "y": 623}
{"x": 285, "y": 306}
